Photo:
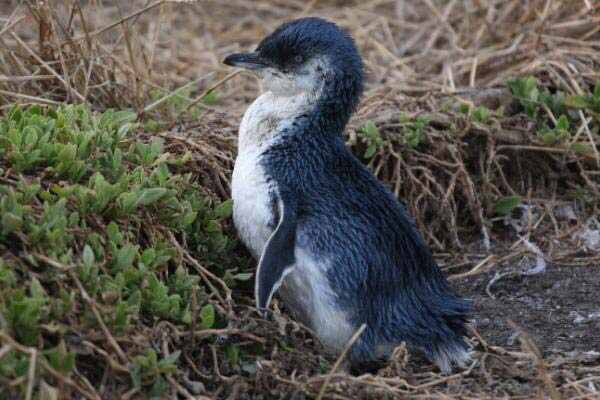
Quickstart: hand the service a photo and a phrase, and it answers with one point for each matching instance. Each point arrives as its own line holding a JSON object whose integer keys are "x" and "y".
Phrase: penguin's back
{"x": 379, "y": 269}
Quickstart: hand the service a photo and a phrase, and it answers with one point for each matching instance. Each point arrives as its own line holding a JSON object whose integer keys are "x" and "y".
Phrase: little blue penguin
{"x": 337, "y": 246}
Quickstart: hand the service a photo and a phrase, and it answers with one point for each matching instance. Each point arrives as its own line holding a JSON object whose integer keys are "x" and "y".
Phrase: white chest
{"x": 252, "y": 211}
{"x": 252, "y": 208}
{"x": 305, "y": 290}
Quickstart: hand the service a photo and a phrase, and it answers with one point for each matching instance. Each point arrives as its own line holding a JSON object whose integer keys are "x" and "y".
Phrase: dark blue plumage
{"x": 380, "y": 271}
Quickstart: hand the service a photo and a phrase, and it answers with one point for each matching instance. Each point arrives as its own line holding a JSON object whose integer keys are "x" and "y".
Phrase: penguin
{"x": 335, "y": 244}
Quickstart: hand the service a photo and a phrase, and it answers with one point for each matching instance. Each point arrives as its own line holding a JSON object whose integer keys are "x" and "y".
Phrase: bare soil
{"x": 559, "y": 309}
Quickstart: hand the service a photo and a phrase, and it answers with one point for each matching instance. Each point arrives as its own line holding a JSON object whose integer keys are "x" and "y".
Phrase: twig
{"x": 339, "y": 360}
{"x": 30, "y": 98}
{"x": 11, "y": 25}
{"x": 204, "y": 273}
{"x": 207, "y": 91}
{"x": 47, "y": 67}
{"x": 474, "y": 270}
{"x": 31, "y": 373}
{"x": 120, "y": 21}
{"x": 175, "y": 92}
{"x": 529, "y": 345}
{"x": 223, "y": 332}
{"x": 5, "y": 350}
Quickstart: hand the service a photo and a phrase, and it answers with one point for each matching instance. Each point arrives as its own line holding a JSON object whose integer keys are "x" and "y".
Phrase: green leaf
{"x": 60, "y": 359}
{"x": 212, "y": 226}
{"x": 129, "y": 201}
{"x": 527, "y": 92}
{"x": 112, "y": 231}
{"x": 549, "y": 137}
{"x": 149, "y": 196}
{"x": 11, "y": 223}
{"x": 189, "y": 218}
{"x": 148, "y": 257}
{"x": 481, "y": 114}
{"x": 88, "y": 256}
{"x": 244, "y": 276}
{"x": 464, "y": 108}
{"x": 562, "y": 123}
{"x": 123, "y": 117}
{"x": 576, "y": 102}
{"x": 186, "y": 318}
{"x": 224, "y": 210}
{"x": 135, "y": 372}
{"x": 125, "y": 257}
{"x": 207, "y": 316}
{"x": 158, "y": 389}
{"x": 370, "y": 129}
{"x": 370, "y": 152}
{"x": 167, "y": 364}
{"x": 582, "y": 148}
{"x": 7, "y": 276}
{"x": 371, "y": 136}
{"x": 36, "y": 289}
{"x": 505, "y": 205}
{"x": 210, "y": 98}
{"x": 67, "y": 153}
{"x": 233, "y": 354}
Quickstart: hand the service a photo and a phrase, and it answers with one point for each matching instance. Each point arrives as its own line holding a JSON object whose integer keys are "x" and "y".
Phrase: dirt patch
{"x": 559, "y": 309}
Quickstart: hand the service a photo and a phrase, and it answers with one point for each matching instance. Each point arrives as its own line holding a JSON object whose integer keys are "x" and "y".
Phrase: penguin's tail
{"x": 446, "y": 356}
{"x": 448, "y": 346}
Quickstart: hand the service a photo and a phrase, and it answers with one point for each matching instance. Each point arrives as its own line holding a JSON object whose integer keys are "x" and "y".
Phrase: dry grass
{"x": 435, "y": 61}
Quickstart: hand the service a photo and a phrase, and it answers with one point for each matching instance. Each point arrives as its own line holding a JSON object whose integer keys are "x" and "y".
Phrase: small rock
{"x": 484, "y": 322}
{"x": 577, "y": 318}
{"x": 594, "y": 315}
{"x": 565, "y": 212}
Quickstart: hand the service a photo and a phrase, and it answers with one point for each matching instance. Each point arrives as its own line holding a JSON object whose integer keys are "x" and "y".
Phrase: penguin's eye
{"x": 298, "y": 59}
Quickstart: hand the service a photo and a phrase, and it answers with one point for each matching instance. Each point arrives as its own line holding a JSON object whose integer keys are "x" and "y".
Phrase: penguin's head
{"x": 307, "y": 55}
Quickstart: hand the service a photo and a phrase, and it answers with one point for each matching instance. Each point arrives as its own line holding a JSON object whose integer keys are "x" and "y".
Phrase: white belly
{"x": 252, "y": 211}
{"x": 307, "y": 292}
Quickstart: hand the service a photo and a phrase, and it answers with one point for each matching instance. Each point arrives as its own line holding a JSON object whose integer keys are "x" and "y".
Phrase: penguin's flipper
{"x": 277, "y": 259}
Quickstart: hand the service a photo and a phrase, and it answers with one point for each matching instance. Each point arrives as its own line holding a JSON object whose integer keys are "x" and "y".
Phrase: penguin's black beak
{"x": 251, "y": 61}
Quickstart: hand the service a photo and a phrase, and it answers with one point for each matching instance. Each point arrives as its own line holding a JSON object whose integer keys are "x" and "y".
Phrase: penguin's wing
{"x": 277, "y": 259}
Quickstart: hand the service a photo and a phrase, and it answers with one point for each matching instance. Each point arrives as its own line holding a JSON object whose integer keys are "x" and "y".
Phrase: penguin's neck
{"x": 273, "y": 114}
{"x": 270, "y": 115}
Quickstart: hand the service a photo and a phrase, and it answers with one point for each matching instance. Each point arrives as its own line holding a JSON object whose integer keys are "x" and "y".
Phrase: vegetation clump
{"x": 92, "y": 213}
